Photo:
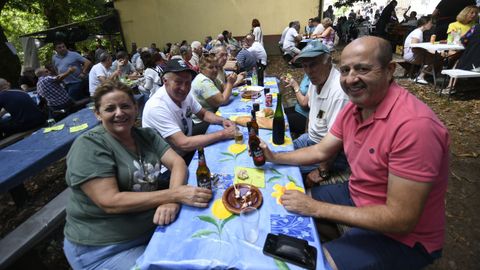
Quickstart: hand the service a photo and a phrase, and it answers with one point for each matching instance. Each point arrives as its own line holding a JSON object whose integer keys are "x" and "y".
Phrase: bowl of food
{"x": 238, "y": 196}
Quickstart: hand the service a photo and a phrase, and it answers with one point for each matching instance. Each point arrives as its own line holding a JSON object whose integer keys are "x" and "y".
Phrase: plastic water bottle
{"x": 254, "y": 77}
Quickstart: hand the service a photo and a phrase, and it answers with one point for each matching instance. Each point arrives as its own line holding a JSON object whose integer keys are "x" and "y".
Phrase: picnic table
{"x": 206, "y": 238}
{"x": 32, "y": 154}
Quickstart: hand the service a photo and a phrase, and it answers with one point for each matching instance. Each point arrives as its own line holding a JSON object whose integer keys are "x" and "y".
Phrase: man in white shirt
{"x": 257, "y": 49}
{"x": 291, "y": 38}
{"x": 284, "y": 32}
{"x": 196, "y": 53}
{"x": 100, "y": 72}
{"x": 170, "y": 111}
{"x": 325, "y": 98}
{"x": 319, "y": 28}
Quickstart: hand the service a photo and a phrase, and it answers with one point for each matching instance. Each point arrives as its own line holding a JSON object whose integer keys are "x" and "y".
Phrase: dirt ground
{"x": 461, "y": 115}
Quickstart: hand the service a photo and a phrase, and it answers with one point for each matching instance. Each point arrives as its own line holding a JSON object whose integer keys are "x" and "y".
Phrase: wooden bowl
{"x": 234, "y": 205}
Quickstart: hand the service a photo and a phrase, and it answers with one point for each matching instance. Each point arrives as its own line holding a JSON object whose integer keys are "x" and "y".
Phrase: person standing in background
{"x": 62, "y": 61}
{"x": 257, "y": 31}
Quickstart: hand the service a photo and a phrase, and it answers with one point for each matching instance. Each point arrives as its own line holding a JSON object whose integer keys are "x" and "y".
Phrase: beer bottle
{"x": 254, "y": 121}
{"x": 260, "y": 73}
{"x": 254, "y": 145}
{"x": 203, "y": 173}
{"x": 278, "y": 133}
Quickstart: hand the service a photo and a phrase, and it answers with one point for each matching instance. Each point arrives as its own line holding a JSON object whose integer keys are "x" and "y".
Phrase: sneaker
{"x": 448, "y": 91}
{"x": 421, "y": 81}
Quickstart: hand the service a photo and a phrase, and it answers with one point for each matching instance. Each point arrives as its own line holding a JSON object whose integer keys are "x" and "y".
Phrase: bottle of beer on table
{"x": 203, "y": 173}
{"x": 254, "y": 121}
{"x": 260, "y": 73}
{"x": 278, "y": 133}
{"x": 254, "y": 145}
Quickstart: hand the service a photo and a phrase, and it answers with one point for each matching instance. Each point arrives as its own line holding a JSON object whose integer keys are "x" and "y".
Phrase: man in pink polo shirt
{"x": 398, "y": 152}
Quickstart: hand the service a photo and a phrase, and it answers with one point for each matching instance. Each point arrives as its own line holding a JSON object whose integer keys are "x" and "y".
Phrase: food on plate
{"x": 242, "y": 174}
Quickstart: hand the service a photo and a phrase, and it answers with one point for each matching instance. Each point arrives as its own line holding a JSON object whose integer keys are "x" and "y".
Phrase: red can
{"x": 268, "y": 100}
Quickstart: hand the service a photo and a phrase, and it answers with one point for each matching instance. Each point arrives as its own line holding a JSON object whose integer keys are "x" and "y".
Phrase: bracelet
{"x": 296, "y": 90}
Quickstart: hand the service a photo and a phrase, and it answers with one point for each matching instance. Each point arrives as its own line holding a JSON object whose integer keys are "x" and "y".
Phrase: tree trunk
{"x": 10, "y": 64}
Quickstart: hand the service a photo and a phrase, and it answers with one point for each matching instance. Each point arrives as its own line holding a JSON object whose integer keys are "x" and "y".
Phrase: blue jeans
{"x": 340, "y": 163}
{"x": 302, "y": 142}
{"x": 365, "y": 249}
{"x": 117, "y": 256}
{"x": 76, "y": 91}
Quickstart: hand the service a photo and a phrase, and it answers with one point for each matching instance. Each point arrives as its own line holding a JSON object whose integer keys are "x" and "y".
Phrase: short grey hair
{"x": 196, "y": 44}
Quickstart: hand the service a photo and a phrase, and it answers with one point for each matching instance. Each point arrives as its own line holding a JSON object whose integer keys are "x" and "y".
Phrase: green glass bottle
{"x": 278, "y": 133}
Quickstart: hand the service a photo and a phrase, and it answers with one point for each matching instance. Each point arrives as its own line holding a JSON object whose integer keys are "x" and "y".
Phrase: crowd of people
{"x": 354, "y": 117}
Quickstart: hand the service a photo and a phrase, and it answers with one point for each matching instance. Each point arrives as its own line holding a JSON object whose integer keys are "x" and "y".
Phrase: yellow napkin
{"x": 54, "y": 128}
{"x": 218, "y": 113}
{"x": 279, "y": 190}
{"x": 274, "y": 95}
{"x": 78, "y": 128}
{"x": 270, "y": 83}
{"x": 287, "y": 141}
{"x": 245, "y": 99}
{"x": 256, "y": 177}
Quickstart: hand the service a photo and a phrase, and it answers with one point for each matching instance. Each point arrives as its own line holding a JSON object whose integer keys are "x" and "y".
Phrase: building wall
{"x": 162, "y": 21}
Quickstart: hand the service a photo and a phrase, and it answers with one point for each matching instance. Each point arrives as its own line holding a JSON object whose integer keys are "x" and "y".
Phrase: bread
{"x": 263, "y": 122}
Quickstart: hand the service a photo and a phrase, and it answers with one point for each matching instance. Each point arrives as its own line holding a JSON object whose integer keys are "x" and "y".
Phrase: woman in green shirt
{"x": 114, "y": 172}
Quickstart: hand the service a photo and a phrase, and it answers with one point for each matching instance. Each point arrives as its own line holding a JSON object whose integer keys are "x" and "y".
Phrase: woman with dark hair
{"x": 257, "y": 31}
{"x": 152, "y": 77}
{"x": 418, "y": 56}
{"x": 118, "y": 192}
{"x": 385, "y": 18}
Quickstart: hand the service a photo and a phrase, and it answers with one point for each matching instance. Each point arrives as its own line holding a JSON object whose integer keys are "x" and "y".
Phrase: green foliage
{"x": 20, "y": 17}
{"x": 17, "y": 22}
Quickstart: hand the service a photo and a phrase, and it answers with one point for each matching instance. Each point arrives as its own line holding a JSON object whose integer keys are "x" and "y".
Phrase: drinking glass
{"x": 250, "y": 217}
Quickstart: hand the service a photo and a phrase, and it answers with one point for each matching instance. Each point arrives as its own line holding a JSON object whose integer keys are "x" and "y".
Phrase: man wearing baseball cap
{"x": 171, "y": 108}
{"x": 324, "y": 97}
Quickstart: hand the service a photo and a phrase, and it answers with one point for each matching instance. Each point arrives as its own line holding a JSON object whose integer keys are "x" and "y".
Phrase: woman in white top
{"x": 152, "y": 77}
{"x": 418, "y": 56}
{"x": 257, "y": 31}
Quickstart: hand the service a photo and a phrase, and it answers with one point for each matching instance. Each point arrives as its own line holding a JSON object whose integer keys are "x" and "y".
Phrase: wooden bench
{"x": 33, "y": 230}
{"x": 457, "y": 74}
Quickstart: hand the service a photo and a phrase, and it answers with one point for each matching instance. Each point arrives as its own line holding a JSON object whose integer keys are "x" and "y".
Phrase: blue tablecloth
{"x": 200, "y": 240}
{"x": 32, "y": 154}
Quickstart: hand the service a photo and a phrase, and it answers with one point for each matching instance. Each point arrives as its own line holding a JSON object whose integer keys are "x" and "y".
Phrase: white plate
{"x": 252, "y": 88}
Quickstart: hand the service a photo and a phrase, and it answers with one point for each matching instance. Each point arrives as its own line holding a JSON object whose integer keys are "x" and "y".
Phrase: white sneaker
{"x": 448, "y": 91}
{"x": 421, "y": 81}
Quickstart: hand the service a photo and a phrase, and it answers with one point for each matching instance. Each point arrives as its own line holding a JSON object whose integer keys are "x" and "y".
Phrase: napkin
{"x": 54, "y": 128}
{"x": 256, "y": 177}
{"x": 270, "y": 83}
{"x": 287, "y": 141}
{"x": 78, "y": 128}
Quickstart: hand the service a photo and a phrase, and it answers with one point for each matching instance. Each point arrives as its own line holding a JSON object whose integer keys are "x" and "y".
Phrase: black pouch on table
{"x": 291, "y": 250}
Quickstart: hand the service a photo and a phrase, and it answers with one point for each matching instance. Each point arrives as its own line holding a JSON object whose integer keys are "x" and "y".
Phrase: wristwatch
{"x": 325, "y": 174}
{"x": 297, "y": 90}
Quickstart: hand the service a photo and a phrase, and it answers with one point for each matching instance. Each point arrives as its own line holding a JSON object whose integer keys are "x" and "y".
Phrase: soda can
{"x": 268, "y": 100}
{"x": 433, "y": 38}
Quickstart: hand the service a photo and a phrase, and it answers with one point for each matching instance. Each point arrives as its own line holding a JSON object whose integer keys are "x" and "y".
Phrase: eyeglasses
{"x": 185, "y": 125}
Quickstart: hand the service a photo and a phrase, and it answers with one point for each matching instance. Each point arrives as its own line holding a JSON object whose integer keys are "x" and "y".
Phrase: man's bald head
{"x": 381, "y": 47}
